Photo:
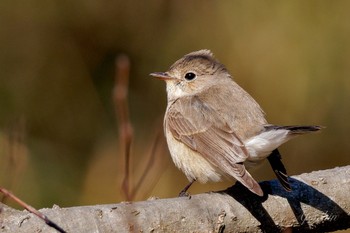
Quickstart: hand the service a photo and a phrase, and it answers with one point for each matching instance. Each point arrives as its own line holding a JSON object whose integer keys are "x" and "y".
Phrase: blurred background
{"x": 59, "y": 125}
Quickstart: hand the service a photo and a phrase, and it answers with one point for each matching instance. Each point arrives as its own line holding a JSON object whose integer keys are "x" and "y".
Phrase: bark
{"x": 319, "y": 202}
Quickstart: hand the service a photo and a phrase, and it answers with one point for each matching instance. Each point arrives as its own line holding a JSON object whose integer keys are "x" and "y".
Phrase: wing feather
{"x": 202, "y": 129}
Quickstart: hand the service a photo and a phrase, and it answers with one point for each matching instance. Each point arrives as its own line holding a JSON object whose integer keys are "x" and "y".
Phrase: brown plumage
{"x": 213, "y": 127}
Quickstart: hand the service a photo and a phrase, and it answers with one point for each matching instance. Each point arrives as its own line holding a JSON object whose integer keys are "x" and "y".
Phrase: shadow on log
{"x": 303, "y": 201}
{"x": 319, "y": 202}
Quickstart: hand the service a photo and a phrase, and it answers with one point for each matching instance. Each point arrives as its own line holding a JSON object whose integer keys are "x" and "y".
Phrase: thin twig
{"x": 120, "y": 95}
{"x": 32, "y": 210}
{"x": 149, "y": 164}
{"x": 15, "y": 149}
{"x": 125, "y": 131}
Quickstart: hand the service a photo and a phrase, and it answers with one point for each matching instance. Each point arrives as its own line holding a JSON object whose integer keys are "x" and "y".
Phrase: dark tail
{"x": 279, "y": 169}
{"x": 295, "y": 129}
{"x": 275, "y": 157}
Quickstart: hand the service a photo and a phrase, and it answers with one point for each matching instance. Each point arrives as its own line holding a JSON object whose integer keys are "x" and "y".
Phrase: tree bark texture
{"x": 319, "y": 202}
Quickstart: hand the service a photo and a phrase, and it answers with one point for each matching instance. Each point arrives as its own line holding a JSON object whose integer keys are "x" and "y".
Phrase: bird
{"x": 216, "y": 130}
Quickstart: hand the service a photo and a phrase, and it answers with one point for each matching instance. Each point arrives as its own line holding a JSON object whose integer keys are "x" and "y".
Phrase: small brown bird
{"x": 215, "y": 129}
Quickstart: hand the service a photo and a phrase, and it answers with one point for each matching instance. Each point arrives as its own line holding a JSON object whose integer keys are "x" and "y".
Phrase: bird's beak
{"x": 162, "y": 75}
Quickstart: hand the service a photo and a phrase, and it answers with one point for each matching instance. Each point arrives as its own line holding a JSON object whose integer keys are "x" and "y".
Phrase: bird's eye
{"x": 190, "y": 76}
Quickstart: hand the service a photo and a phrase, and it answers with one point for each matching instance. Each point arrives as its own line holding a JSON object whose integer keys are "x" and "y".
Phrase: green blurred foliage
{"x": 57, "y": 74}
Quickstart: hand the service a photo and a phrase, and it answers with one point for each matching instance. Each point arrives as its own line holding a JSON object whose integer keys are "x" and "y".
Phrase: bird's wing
{"x": 202, "y": 129}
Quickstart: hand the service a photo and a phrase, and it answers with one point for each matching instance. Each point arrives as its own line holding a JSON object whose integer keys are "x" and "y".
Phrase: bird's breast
{"x": 190, "y": 162}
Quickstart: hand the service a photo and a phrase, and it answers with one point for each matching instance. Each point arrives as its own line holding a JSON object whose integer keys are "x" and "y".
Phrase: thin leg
{"x": 183, "y": 192}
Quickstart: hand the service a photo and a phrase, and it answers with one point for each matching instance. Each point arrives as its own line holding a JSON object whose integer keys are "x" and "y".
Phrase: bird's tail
{"x": 275, "y": 157}
{"x": 278, "y": 168}
{"x": 295, "y": 129}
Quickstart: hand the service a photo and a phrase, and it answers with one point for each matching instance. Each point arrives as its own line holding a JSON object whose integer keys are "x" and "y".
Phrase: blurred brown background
{"x": 58, "y": 128}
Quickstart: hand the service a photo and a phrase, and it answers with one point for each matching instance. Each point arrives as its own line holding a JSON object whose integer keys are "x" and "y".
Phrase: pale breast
{"x": 190, "y": 162}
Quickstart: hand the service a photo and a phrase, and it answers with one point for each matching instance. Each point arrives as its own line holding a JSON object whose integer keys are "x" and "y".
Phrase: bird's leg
{"x": 183, "y": 192}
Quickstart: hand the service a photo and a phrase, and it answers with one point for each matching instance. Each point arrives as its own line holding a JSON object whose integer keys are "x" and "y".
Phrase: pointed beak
{"x": 162, "y": 75}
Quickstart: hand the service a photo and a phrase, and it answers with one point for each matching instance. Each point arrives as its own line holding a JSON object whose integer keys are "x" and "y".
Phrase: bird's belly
{"x": 191, "y": 163}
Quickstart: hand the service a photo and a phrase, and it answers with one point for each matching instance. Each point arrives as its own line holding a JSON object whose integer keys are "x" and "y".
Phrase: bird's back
{"x": 241, "y": 112}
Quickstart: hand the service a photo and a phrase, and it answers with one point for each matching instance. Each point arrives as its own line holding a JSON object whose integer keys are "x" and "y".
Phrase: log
{"x": 319, "y": 202}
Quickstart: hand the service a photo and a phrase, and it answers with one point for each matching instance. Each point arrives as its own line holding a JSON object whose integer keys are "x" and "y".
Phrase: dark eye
{"x": 190, "y": 76}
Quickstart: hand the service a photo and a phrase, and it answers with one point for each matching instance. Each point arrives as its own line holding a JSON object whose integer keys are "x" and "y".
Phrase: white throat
{"x": 174, "y": 91}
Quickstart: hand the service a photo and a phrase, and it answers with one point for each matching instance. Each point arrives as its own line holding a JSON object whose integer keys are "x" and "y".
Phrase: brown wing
{"x": 203, "y": 130}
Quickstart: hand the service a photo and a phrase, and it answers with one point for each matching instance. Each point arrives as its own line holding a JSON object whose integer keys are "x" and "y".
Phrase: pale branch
{"x": 319, "y": 202}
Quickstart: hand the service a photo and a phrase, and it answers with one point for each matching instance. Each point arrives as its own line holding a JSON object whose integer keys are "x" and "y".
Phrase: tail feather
{"x": 295, "y": 129}
{"x": 279, "y": 169}
{"x": 266, "y": 143}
